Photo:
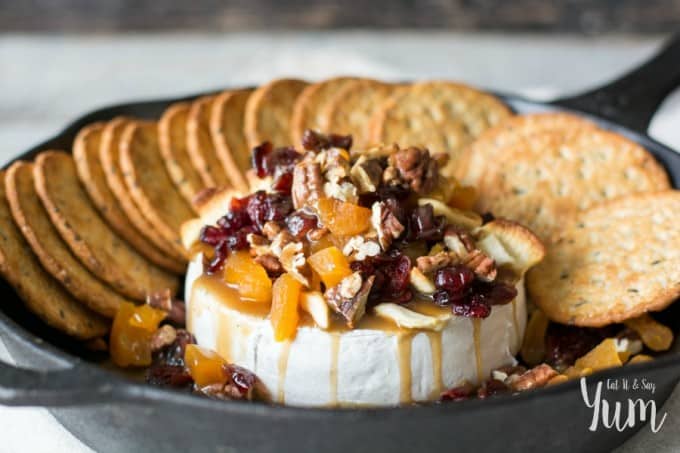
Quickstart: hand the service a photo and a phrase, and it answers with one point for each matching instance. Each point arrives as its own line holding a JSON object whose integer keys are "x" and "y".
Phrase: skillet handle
{"x": 632, "y": 99}
{"x": 68, "y": 387}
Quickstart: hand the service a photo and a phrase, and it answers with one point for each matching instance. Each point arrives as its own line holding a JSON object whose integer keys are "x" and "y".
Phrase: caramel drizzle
{"x": 476, "y": 328}
{"x": 283, "y": 369}
{"x": 435, "y": 339}
{"x": 335, "y": 354}
{"x": 404, "y": 353}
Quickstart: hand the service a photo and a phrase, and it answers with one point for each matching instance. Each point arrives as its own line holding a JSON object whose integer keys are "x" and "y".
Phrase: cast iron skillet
{"x": 110, "y": 412}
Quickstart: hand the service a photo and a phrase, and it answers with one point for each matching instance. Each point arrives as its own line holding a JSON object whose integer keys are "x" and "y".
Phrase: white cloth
{"x": 47, "y": 81}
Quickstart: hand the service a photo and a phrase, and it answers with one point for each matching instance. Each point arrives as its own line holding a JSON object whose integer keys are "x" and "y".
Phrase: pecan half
{"x": 538, "y": 376}
{"x": 348, "y": 298}
{"x": 163, "y": 337}
{"x": 307, "y": 183}
{"x": 359, "y": 248}
{"x": 430, "y": 263}
{"x": 271, "y": 264}
{"x": 386, "y": 224}
{"x": 293, "y": 261}
{"x": 175, "y": 308}
{"x": 482, "y": 265}
{"x": 416, "y": 168}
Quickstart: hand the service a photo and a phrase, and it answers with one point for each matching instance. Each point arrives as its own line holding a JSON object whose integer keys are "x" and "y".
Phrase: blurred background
{"x": 62, "y": 58}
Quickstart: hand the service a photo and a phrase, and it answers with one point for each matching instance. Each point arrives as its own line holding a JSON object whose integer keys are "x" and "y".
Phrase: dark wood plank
{"x": 584, "y": 16}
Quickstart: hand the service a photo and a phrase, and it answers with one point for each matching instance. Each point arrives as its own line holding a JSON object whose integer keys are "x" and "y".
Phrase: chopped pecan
{"x": 293, "y": 261}
{"x": 163, "y": 337}
{"x": 270, "y": 263}
{"x": 348, "y": 298}
{"x": 430, "y": 263}
{"x": 271, "y": 229}
{"x": 279, "y": 241}
{"x": 344, "y": 190}
{"x": 317, "y": 233}
{"x": 241, "y": 384}
{"x": 482, "y": 265}
{"x": 259, "y": 245}
{"x": 386, "y": 223}
{"x": 458, "y": 240}
{"x": 538, "y": 376}
{"x": 359, "y": 248}
{"x": 175, "y": 308}
{"x": 307, "y": 183}
{"x": 336, "y": 165}
{"x": 366, "y": 174}
{"x": 416, "y": 167}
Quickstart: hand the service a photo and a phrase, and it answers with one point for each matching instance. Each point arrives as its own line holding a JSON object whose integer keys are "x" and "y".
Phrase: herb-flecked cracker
{"x": 612, "y": 262}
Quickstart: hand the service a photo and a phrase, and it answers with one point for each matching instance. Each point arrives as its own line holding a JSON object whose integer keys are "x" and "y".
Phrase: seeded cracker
{"x": 42, "y": 294}
{"x": 483, "y": 151}
{"x": 441, "y": 116}
{"x": 226, "y": 129}
{"x": 97, "y": 247}
{"x": 351, "y": 109}
{"x": 148, "y": 182}
{"x": 547, "y": 177}
{"x": 269, "y": 110}
{"x": 612, "y": 262}
{"x": 172, "y": 138}
{"x": 109, "y": 154}
{"x": 55, "y": 256}
{"x": 200, "y": 145}
{"x": 86, "y": 155}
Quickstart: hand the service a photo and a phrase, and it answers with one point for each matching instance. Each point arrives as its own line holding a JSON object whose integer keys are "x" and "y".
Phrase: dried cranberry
{"x": 267, "y": 161}
{"x": 263, "y": 207}
{"x": 243, "y": 379}
{"x": 213, "y": 235}
{"x": 259, "y": 158}
{"x": 454, "y": 279}
{"x": 475, "y": 307}
{"x": 283, "y": 182}
{"x": 492, "y": 387}
{"x": 168, "y": 376}
{"x": 234, "y": 220}
{"x": 299, "y": 223}
{"x": 239, "y": 240}
{"x": 216, "y": 264}
{"x": 565, "y": 344}
{"x": 459, "y": 393}
{"x": 391, "y": 271}
{"x": 173, "y": 354}
{"x": 494, "y": 293}
{"x": 424, "y": 225}
{"x": 316, "y": 141}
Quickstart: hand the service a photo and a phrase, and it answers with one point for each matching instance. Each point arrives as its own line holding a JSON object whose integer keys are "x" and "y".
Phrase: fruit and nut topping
{"x": 362, "y": 228}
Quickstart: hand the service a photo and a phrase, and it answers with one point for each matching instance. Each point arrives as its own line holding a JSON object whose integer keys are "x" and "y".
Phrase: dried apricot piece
{"x": 248, "y": 277}
{"x": 284, "y": 312}
{"x": 640, "y": 358}
{"x": 604, "y": 355}
{"x": 331, "y": 265}
{"x": 654, "y": 335}
{"x": 342, "y": 218}
{"x": 205, "y": 367}
{"x": 463, "y": 197}
{"x": 130, "y": 341}
{"x": 533, "y": 346}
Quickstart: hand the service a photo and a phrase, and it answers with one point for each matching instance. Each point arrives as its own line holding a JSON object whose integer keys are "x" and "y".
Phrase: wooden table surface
{"x": 46, "y": 81}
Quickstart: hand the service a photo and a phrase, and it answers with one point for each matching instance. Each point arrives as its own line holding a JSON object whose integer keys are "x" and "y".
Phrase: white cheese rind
{"x": 369, "y": 362}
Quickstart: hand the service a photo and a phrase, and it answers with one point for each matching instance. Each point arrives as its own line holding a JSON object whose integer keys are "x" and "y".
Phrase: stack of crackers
{"x": 84, "y": 231}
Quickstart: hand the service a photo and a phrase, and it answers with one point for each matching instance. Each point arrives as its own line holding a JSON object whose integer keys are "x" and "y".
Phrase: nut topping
{"x": 385, "y": 223}
{"x": 294, "y": 262}
{"x": 348, "y": 298}
{"x": 482, "y": 265}
{"x": 535, "y": 377}
{"x": 415, "y": 167}
{"x": 307, "y": 183}
{"x": 366, "y": 174}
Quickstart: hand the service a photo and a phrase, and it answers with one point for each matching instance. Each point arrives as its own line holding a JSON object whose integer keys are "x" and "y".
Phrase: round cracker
{"x": 172, "y": 138}
{"x": 202, "y": 151}
{"x": 91, "y": 239}
{"x": 349, "y": 112}
{"x": 42, "y": 294}
{"x": 109, "y": 154}
{"x": 612, "y": 262}
{"x": 148, "y": 181}
{"x": 269, "y": 110}
{"x": 483, "y": 151}
{"x": 55, "y": 256}
{"x": 547, "y": 176}
{"x": 311, "y": 103}
{"x": 226, "y": 129}
{"x": 86, "y": 155}
{"x": 441, "y": 116}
